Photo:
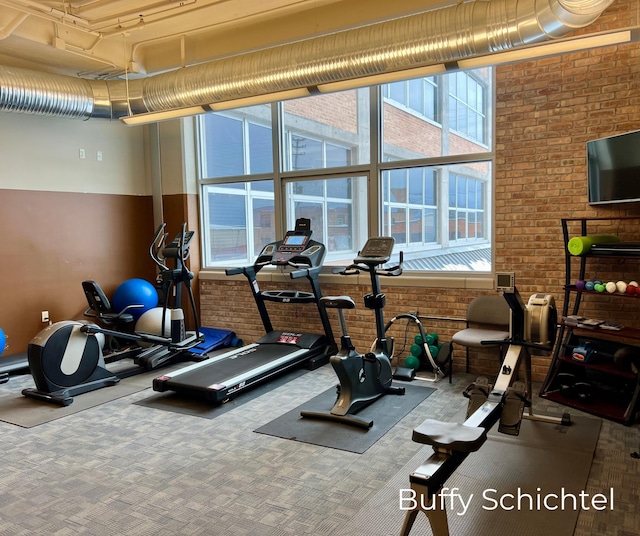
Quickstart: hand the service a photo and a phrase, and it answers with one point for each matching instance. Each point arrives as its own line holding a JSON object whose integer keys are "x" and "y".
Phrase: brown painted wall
{"x": 52, "y": 241}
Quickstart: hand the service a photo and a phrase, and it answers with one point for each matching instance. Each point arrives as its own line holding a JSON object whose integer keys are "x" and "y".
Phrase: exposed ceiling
{"x": 105, "y": 38}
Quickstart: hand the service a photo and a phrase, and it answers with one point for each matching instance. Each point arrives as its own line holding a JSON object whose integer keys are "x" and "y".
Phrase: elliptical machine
{"x": 364, "y": 378}
{"x": 66, "y": 359}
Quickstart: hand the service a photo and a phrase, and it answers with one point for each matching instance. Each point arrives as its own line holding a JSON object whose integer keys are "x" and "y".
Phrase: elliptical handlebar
{"x": 157, "y": 245}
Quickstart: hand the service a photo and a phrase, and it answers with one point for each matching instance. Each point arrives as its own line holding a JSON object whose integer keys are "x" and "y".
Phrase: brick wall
{"x": 546, "y": 110}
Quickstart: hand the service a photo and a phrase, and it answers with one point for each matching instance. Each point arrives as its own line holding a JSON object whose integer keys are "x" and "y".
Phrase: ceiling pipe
{"x": 441, "y": 36}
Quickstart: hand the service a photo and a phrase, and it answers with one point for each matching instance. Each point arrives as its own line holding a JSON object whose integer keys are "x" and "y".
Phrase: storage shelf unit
{"x": 603, "y": 386}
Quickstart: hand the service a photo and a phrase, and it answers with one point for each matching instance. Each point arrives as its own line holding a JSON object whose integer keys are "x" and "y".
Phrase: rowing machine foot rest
{"x": 515, "y": 401}
{"x": 477, "y": 393}
{"x": 450, "y": 436}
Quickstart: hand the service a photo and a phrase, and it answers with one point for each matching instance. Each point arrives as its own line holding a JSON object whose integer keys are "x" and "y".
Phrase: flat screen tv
{"x": 613, "y": 169}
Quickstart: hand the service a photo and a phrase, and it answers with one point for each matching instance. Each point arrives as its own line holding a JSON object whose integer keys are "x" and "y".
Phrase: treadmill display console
{"x": 292, "y": 246}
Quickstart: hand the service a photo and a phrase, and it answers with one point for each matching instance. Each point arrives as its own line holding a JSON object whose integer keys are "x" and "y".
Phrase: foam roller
{"x": 581, "y": 245}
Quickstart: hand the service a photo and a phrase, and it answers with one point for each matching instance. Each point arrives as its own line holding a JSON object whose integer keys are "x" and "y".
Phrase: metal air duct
{"x": 440, "y": 36}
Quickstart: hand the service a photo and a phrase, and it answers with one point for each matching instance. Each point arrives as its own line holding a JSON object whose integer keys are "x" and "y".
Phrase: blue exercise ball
{"x": 3, "y": 341}
{"x": 135, "y": 292}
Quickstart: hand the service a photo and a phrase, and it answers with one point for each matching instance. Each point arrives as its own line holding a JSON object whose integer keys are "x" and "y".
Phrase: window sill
{"x": 419, "y": 280}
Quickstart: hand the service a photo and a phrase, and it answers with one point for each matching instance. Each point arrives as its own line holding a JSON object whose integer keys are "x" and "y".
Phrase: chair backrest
{"x": 492, "y": 310}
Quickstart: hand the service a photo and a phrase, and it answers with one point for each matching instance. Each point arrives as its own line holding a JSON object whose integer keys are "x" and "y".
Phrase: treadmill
{"x": 221, "y": 377}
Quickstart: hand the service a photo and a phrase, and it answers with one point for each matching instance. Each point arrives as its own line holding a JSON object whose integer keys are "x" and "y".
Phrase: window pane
{"x": 260, "y": 149}
{"x": 397, "y": 92}
{"x": 427, "y": 232}
{"x": 419, "y": 136}
{"x": 416, "y": 101}
{"x": 331, "y": 206}
{"x": 398, "y": 185}
{"x": 399, "y": 225}
{"x": 340, "y": 227}
{"x": 224, "y": 148}
{"x": 415, "y": 225}
{"x": 326, "y": 131}
{"x": 337, "y": 156}
{"x": 263, "y": 224}
{"x": 339, "y": 188}
{"x": 238, "y": 214}
{"x": 314, "y": 212}
{"x": 236, "y": 142}
{"x": 430, "y": 225}
{"x": 314, "y": 188}
{"x": 430, "y": 187}
{"x": 228, "y": 227}
{"x": 416, "y": 186}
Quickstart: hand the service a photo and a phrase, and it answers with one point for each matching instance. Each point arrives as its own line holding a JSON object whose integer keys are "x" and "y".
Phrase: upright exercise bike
{"x": 364, "y": 378}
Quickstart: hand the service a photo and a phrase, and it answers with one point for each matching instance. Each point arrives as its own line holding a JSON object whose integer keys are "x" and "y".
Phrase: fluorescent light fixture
{"x": 154, "y": 117}
{"x": 383, "y": 78}
{"x": 260, "y": 99}
{"x": 550, "y": 49}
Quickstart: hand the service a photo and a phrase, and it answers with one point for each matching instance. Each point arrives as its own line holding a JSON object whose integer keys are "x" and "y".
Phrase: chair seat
{"x": 474, "y": 336}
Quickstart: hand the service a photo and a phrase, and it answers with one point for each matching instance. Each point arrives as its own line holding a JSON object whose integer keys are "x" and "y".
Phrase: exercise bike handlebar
{"x": 356, "y": 268}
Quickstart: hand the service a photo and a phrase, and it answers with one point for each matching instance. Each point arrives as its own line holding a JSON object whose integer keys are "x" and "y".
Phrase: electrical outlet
{"x": 82, "y": 154}
{"x": 44, "y": 317}
{"x": 99, "y": 156}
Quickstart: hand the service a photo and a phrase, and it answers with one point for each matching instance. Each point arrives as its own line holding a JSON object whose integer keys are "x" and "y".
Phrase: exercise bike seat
{"x": 450, "y": 436}
{"x": 337, "y": 302}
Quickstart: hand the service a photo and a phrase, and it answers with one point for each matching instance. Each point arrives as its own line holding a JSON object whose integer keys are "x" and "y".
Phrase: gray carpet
{"x": 385, "y": 413}
{"x": 544, "y": 459}
{"x": 28, "y": 412}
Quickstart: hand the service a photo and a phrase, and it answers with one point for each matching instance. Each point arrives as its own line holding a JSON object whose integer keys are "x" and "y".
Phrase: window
{"x": 418, "y": 95}
{"x": 331, "y": 205}
{"x": 237, "y": 143}
{"x": 466, "y": 208}
{"x": 240, "y": 220}
{"x": 317, "y": 158}
{"x": 409, "y": 206}
{"x": 467, "y": 107}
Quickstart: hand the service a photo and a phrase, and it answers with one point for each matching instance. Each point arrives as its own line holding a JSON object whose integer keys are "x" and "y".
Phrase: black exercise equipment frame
{"x": 223, "y": 376}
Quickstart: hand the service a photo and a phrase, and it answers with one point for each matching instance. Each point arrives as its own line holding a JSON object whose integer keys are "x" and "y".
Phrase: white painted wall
{"x": 43, "y": 153}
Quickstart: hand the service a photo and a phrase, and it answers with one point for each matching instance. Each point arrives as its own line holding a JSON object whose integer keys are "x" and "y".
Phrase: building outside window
{"x": 424, "y": 176}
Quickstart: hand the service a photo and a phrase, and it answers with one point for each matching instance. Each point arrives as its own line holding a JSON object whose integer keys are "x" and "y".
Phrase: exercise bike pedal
{"x": 396, "y": 390}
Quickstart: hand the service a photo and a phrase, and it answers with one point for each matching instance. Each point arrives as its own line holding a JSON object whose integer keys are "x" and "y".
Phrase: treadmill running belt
{"x": 235, "y": 365}
{"x": 219, "y": 378}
